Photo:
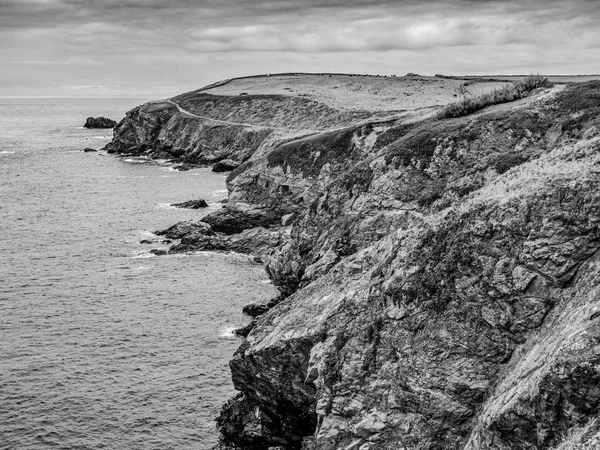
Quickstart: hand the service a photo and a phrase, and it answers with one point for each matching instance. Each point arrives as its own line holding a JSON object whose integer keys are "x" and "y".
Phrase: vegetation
{"x": 509, "y": 93}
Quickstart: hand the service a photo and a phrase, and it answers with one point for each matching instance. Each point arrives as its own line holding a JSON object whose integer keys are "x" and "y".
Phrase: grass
{"x": 568, "y": 164}
{"x": 509, "y": 93}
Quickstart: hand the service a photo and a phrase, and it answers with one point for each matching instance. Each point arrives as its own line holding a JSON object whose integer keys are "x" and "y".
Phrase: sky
{"x": 160, "y": 48}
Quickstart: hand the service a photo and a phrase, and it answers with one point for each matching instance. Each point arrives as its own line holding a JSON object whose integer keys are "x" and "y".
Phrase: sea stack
{"x": 99, "y": 122}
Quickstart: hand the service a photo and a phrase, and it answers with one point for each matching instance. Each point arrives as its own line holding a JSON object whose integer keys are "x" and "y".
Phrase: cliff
{"x": 439, "y": 277}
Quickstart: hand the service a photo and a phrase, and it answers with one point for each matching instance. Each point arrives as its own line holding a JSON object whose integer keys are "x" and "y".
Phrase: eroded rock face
{"x": 438, "y": 279}
{"x": 444, "y": 284}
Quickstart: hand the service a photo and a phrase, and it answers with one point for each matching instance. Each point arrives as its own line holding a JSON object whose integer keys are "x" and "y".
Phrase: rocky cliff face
{"x": 440, "y": 276}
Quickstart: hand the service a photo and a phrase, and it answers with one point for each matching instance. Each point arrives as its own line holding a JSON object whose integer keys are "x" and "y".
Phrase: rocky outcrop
{"x": 99, "y": 122}
{"x": 191, "y": 204}
{"x": 226, "y": 165}
{"x": 438, "y": 281}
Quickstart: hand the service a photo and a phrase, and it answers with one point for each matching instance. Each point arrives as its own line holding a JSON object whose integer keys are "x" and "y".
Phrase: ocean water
{"x": 102, "y": 345}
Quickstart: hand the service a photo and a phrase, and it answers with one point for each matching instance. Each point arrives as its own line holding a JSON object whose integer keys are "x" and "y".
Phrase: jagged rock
{"x": 225, "y": 165}
{"x": 255, "y": 310}
{"x": 89, "y": 150}
{"x": 182, "y": 229}
{"x": 287, "y": 219}
{"x": 232, "y": 221}
{"x": 245, "y": 330}
{"x": 191, "y": 204}
{"x": 99, "y": 122}
{"x": 158, "y": 252}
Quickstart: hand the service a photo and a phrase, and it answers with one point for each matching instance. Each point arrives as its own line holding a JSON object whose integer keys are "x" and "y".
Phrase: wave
{"x": 148, "y": 234}
{"x": 144, "y": 256}
{"x": 166, "y": 206}
{"x": 228, "y": 332}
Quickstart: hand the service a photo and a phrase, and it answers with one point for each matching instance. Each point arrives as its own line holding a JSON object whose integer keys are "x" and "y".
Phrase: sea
{"x": 102, "y": 344}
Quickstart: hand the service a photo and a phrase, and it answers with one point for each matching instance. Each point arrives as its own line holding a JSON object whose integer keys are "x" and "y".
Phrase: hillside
{"x": 438, "y": 277}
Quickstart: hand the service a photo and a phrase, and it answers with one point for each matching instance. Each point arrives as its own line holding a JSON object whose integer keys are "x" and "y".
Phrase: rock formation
{"x": 439, "y": 278}
{"x": 191, "y": 204}
{"x": 99, "y": 122}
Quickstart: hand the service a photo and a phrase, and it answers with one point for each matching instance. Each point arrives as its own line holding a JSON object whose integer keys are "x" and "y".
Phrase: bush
{"x": 509, "y": 93}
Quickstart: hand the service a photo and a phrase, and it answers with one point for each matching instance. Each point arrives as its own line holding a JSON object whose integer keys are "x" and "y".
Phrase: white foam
{"x": 265, "y": 281}
{"x": 136, "y": 161}
{"x": 228, "y": 332}
{"x": 144, "y": 256}
{"x": 100, "y": 137}
{"x": 166, "y": 206}
{"x": 149, "y": 234}
{"x": 6, "y": 152}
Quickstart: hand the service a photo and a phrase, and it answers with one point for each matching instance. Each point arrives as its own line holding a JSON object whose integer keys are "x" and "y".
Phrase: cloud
{"x": 151, "y": 42}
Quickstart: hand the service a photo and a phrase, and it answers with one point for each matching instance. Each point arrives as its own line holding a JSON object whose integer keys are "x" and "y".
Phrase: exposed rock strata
{"x": 440, "y": 280}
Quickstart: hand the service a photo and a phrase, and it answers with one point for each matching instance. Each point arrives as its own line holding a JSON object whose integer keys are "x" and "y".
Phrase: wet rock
{"x": 232, "y": 221}
{"x": 158, "y": 251}
{"x": 255, "y": 309}
{"x": 245, "y": 330}
{"x": 182, "y": 229}
{"x": 99, "y": 122}
{"x": 191, "y": 204}
{"x": 89, "y": 150}
{"x": 146, "y": 241}
{"x": 183, "y": 167}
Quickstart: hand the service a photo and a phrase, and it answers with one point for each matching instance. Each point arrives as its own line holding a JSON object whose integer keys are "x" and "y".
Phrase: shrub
{"x": 508, "y": 93}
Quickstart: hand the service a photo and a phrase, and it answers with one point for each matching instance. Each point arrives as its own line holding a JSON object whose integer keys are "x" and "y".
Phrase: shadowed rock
{"x": 225, "y": 165}
{"x": 99, "y": 122}
{"x": 191, "y": 204}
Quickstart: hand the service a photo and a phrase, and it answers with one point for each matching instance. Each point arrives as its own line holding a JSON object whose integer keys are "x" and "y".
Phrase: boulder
{"x": 191, "y": 204}
{"x": 245, "y": 330}
{"x": 183, "y": 167}
{"x": 225, "y": 165}
{"x": 255, "y": 309}
{"x": 181, "y": 229}
{"x": 231, "y": 221}
{"x": 99, "y": 122}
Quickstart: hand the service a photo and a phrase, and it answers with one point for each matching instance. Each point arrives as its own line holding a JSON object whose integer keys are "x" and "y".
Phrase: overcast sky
{"x": 164, "y": 47}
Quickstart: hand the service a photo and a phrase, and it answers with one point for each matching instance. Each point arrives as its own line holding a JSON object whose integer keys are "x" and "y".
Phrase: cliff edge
{"x": 439, "y": 278}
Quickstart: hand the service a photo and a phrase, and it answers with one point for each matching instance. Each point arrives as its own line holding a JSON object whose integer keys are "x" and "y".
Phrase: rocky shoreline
{"x": 438, "y": 278}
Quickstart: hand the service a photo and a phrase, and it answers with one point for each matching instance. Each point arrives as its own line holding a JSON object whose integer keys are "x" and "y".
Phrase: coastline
{"x": 381, "y": 233}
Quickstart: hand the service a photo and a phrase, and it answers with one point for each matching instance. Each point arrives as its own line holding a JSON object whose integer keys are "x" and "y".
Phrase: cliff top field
{"x": 370, "y": 92}
{"x": 359, "y": 92}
